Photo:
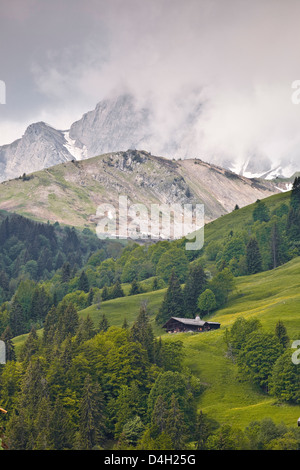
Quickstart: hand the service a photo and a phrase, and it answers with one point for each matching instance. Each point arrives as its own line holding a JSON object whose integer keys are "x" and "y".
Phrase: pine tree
{"x": 284, "y": 382}
{"x": 135, "y": 288}
{"x": 18, "y": 431}
{"x": 90, "y": 297}
{"x": 155, "y": 285}
{"x": 83, "y": 283}
{"x": 4, "y": 281}
{"x": 133, "y": 430}
{"x": 202, "y": 431}
{"x": 142, "y": 332}
{"x": 128, "y": 405}
{"x": 275, "y": 246}
{"x": 295, "y": 194}
{"x": 117, "y": 291}
{"x": 92, "y": 425}
{"x": 293, "y": 222}
{"x": 86, "y": 330}
{"x": 105, "y": 293}
{"x": 175, "y": 425}
{"x": 172, "y": 305}
{"x": 159, "y": 417}
{"x": 66, "y": 272}
{"x": 281, "y": 333}
{"x": 40, "y": 304}
{"x": 68, "y": 321}
{"x": 42, "y": 425}
{"x": 59, "y": 261}
{"x": 61, "y": 429}
{"x": 50, "y": 326}
{"x": 261, "y": 212}
{"x": 17, "y": 318}
{"x": 67, "y": 353}
{"x": 34, "y": 388}
{"x": 194, "y": 286}
{"x": 158, "y": 352}
{"x": 279, "y": 247}
{"x": 103, "y": 324}
{"x": 253, "y": 257}
{"x": 30, "y": 346}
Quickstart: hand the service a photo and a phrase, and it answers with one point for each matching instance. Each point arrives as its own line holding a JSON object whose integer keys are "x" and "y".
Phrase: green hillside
{"x": 116, "y": 310}
{"x": 269, "y": 296}
{"x": 240, "y": 219}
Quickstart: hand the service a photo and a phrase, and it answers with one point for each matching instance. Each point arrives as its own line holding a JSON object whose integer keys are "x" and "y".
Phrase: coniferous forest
{"x": 77, "y": 384}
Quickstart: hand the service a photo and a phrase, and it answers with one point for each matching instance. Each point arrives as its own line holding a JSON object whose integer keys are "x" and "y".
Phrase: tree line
{"x": 269, "y": 240}
{"x": 265, "y": 358}
{"x": 78, "y": 386}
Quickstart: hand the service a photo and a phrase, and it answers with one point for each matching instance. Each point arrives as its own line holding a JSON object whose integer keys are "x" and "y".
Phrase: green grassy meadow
{"x": 269, "y": 296}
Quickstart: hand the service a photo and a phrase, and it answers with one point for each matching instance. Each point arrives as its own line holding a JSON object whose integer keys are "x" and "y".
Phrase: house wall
{"x": 177, "y": 327}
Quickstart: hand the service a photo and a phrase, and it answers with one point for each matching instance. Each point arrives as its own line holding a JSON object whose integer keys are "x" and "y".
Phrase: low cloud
{"x": 219, "y": 73}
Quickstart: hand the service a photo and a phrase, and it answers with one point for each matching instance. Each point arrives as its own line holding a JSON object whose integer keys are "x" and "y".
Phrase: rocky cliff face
{"x": 40, "y": 147}
{"x": 118, "y": 125}
{"x": 113, "y": 125}
{"x": 72, "y": 191}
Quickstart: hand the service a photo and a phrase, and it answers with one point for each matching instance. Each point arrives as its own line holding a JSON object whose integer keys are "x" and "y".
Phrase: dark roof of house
{"x": 192, "y": 321}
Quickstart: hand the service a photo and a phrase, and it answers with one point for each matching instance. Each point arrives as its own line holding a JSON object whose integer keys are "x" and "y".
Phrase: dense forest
{"x": 77, "y": 385}
{"x": 40, "y": 264}
{"x": 265, "y": 358}
{"x": 82, "y": 387}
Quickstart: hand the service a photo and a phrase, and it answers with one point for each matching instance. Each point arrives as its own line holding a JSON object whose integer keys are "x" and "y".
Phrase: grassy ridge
{"x": 240, "y": 219}
{"x": 116, "y": 310}
{"x": 70, "y": 192}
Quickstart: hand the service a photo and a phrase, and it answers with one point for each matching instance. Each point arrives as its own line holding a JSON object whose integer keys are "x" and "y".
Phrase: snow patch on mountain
{"x": 121, "y": 123}
{"x": 76, "y": 152}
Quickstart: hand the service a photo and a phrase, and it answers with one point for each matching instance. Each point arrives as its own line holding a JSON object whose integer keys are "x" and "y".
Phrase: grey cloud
{"x": 237, "y": 58}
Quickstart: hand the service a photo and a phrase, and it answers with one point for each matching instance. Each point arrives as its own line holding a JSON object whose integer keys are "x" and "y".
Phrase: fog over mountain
{"x": 210, "y": 79}
{"x": 119, "y": 124}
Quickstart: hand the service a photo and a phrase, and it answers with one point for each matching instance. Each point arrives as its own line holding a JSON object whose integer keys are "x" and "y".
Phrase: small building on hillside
{"x": 177, "y": 325}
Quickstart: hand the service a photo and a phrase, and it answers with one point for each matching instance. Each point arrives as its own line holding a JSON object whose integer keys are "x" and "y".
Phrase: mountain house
{"x": 176, "y": 325}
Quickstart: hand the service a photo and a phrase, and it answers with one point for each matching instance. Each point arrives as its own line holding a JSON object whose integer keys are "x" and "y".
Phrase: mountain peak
{"x": 117, "y": 124}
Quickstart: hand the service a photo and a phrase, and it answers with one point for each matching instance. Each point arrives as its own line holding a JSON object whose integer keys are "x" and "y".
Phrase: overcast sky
{"x": 59, "y": 58}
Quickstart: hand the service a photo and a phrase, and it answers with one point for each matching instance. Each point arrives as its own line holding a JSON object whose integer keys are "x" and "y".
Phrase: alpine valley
{"x": 93, "y": 360}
